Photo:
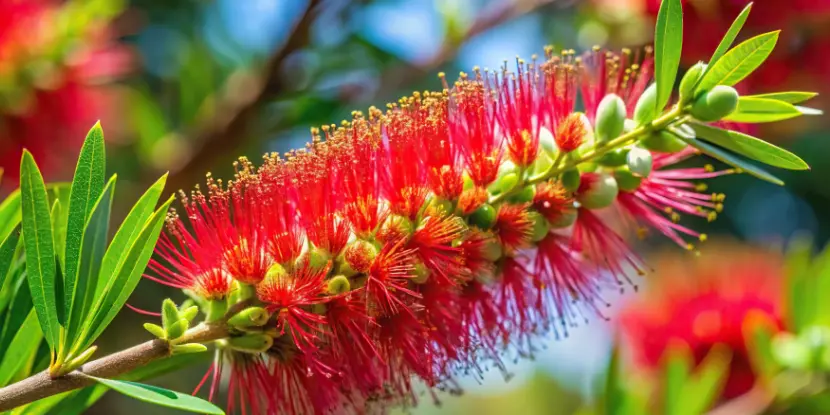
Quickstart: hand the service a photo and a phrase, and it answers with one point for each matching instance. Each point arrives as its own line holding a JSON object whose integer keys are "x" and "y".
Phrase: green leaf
{"x": 128, "y": 232}
{"x": 750, "y": 147}
{"x": 791, "y": 97}
{"x": 798, "y": 304}
{"x": 809, "y": 111}
{"x": 730, "y": 159}
{"x": 739, "y": 62}
{"x": 7, "y": 250}
{"x": 676, "y": 367}
{"x": 87, "y": 185}
{"x": 161, "y": 396}
{"x": 706, "y": 384}
{"x": 758, "y": 110}
{"x": 729, "y": 37}
{"x": 21, "y": 348}
{"x": 668, "y": 42}
{"x": 125, "y": 277}
{"x": 94, "y": 242}
{"x": 21, "y": 305}
{"x": 40, "y": 254}
{"x": 10, "y": 214}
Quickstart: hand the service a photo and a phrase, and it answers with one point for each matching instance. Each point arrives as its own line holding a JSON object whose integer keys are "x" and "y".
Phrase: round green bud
{"x": 492, "y": 250}
{"x": 316, "y": 257}
{"x": 276, "y": 272}
{"x": 250, "y": 317}
{"x": 542, "y": 163}
{"x": 663, "y": 142}
{"x": 251, "y": 343}
{"x": 571, "y": 179}
{"x": 690, "y": 81}
{"x": 639, "y": 161}
{"x": 357, "y": 257}
{"x": 541, "y": 227}
{"x": 484, "y": 217}
{"x": 436, "y": 203}
{"x": 627, "y": 181}
{"x": 610, "y": 118}
{"x": 587, "y": 167}
{"x": 525, "y": 195}
{"x": 614, "y": 158}
{"x": 503, "y": 183}
{"x": 646, "y": 110}
{"x": 338, "y": 284}
{"x": 715, "y": 104}
{"x": 601, "y": 193}
{"x": 546, "y": 141}
{"x": 420, "y": 273}
{"x": 567, "y": 218}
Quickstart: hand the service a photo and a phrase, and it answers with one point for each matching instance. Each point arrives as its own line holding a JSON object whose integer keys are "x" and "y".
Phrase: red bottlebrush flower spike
{"x": 559, "y": 87}
{"x": 552, "y": 201}
{"x": 290, "y": 294}
{"x": 351, "y": 345}
{"x": 516, "y": 298}
{"x": 296, "y": 387}
{"x": 513, "y": 227}
{"x": 388, "y": 277}
{"x": 706, "y": 301}
{"x": 432, "y": 245}
{"x": 665, "y": 194}
{"x": 604, "y": 72}
{"x": 404, "y": 345}
{"x": 471, "y": 199}
{"x": 405, "y": 179}
{"x": 472, "y": 125}
{"x": 246, "y": 244}
{"x": 570, "y": 133}
{"x": 249, "y": 378}
{"x": 519, "y": 112}
{"x": 603, "y": 247}
{"x": 277, "y": 196}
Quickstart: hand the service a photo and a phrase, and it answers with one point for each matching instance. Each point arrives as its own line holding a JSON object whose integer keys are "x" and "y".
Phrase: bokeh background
{"x": 187, "y": 86}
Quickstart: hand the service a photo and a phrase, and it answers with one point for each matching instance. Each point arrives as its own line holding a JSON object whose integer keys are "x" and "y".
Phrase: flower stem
{"x": 600, "y": 149}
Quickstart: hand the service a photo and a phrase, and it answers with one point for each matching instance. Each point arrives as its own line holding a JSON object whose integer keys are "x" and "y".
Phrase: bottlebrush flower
{"x": 702, "y": 302}
{"x": 422, "y": 241}
{"x": 52, "y": 95}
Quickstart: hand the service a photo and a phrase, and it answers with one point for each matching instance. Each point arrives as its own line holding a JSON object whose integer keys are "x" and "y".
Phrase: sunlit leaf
{"x": 668, "y": 42}
{"x": 750, "y": 147}
{"x": 10, "y": 213}
{"x": 701, "y": 392}
{"x": 790, "y": 97}
{"x": 730, "y": 159}
{"x": 676, "y": 370}
{"x": 161, "y": 396}
{"x": 7, "y": 250}
{"x": 729, "y": 37}
{"x": 22, "y": 346}
{"x": 759, "y": 110}
{"x": 739, "y": 62}
{"x": 40, "y": 254}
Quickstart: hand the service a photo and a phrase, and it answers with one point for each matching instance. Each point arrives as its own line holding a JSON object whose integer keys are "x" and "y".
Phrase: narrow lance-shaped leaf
{"x": 7, "y": 249}
{"x": 676, "y": 367}
{"x": 94, "y": 242}
{"x": 126, "y": 277}
{"x": 21, "y": 305}
{"x": 10, "y": 214}
{"x": 791, "y": 97}
{"x": 60, "y": 193}
{"x": 730, "y": 159}
{"x": 739, "y": 62}
{"x": 40, "y": 254}
{"x": 729, "y": 38}
{"x": 668, "y": 43}
{"x": 161, "y": 396}
{"x": 759, "y": 110}
{"x": 706, "y": 384}
{"x": 22, "y": 346}
{"x": 87, "y": 186}
{"x": 750, "y": 147}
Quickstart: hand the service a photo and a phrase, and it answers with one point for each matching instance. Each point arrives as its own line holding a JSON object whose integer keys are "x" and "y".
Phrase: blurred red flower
{"x": 50, "y": 76}
{"x": 704, "y": 301}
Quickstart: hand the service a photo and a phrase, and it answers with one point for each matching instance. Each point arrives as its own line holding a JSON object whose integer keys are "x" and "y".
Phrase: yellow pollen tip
{"x": 709, "y": 168}
{"x": 703, "y": 237}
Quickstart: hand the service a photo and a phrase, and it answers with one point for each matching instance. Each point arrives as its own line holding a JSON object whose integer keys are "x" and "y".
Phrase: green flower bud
{"x": 587, "y": 167}
{"x": 523, "y": 196}
{"x": 189, "y": 348}
{"x": 251, "y": 343}
{"x": 250, "y": 317}
{"x": 646, "y": 110}
{"x": 567, "y": 218}
{"x": 721, "y": 101}
{"x": 546, "y": 141}
{"x": 627, "y": 181}
{"x": 169, "y": 313}
{"x": 663, "y": 142}
{"x": 484, "y": 217}
{"x": 541, "y": 227}
{"x": 316, "y": 257}
{"x": 601, "y": 191}
{"x": 177, "y": 329}
{"x": 492, "y": 250}
{"x": 610, "y": 118}
{"x": 216, "y": 310}
{"x": 358, "y": 257}
{"x": 338, "y": 284}
{"x": 436, "y": 203}
{"x": 639, "y": 161}
{"x": 571, "y": 180}
{"x": 614, "y": 158}
{"x": 504, "y": 183}
{"x": 155, "y": 330}
{"x": 689, "y": 82}
{"x": 420, "y": 274}
{"x": 542, "y": 164}
{"x": 468, "y": 181}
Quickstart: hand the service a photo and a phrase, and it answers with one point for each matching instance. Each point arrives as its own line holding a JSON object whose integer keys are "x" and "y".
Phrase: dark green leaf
{"x": 125, "y": 277}
{"x": 668, "y": 42}
{"x": 791, "y": 97}
{"x": 128, "y": 232}
{"x": 9, "y": 213}
{"x": 22, "y": 346}
{"x": 739, "y": 62}
{"x": 758, "y": 110}
{"x": 7, "y": 250}
{"x": 87, "y": 185}
{"x": 161, "y": 396}
{"x": 58, "y": 230}
{"x": 730, "y": 159}
{"x": 750, "y": 147}
{"x": 94, "y": 242}
{"x": 21, "y": 305}
{"x": 729, "y": 37}
{"x": 40, "y": 254}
